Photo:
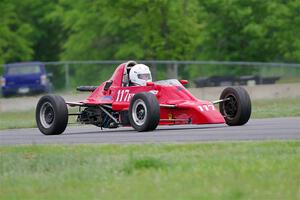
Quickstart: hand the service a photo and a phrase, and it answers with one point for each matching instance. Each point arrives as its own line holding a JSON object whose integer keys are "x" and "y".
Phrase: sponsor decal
{"x": 106, "y": 98}
{"x": 205, "y": 108}
{"x": 124, "y": 95}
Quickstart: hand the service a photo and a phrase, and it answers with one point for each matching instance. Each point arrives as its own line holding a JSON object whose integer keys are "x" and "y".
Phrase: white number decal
{"x": 204, "y": 108}
{"x": 124, "y": 95}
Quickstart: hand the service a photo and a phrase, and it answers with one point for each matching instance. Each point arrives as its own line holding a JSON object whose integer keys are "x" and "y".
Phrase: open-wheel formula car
{"x": 116, "y": 103}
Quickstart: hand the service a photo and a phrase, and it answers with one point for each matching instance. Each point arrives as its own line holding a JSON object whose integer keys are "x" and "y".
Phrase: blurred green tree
{"x": 143, "y": 29}
{"x": 252, "y": 30}
{"x": 234, "y": 30}
{"x": 15, "y": 44}
{"x": 47, "y": 33}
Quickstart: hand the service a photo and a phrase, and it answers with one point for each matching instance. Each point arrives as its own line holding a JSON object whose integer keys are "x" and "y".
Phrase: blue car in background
{"x": 25, "y": 78}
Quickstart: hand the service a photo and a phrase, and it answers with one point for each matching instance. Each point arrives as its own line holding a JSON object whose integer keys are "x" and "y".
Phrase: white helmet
{"x": 140, "y": 74}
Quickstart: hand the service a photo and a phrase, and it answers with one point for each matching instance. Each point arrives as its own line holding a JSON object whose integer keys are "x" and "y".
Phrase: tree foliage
{"x": 142, "y": 29}
{"x": 150, "y": 29}
{"x": 15, "y": 44}
{"x": 251, "y": 30}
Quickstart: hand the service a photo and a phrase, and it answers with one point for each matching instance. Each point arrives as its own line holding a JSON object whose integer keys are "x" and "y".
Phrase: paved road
{"x": 258, "y": 129}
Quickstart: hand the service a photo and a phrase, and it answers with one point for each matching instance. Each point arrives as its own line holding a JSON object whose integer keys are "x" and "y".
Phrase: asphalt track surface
{"x": 257, "y": 129}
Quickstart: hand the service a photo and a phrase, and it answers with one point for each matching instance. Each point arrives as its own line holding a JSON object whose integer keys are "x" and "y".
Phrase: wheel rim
{"x": 47, "y": 115}
{"x": 139, "y": 114}
{"x": 230, "y": 107}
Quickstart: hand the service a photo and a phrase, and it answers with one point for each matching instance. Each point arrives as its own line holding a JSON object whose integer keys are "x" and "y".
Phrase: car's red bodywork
{"x": 177, "y": 104}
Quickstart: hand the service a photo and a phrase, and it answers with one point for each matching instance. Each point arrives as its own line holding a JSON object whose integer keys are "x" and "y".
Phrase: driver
{"x": 139, "y": 75}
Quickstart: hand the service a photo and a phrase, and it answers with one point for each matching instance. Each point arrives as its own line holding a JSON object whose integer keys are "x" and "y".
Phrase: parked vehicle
{"x": 25, "y": 78}
{"x": 117, "y": 103}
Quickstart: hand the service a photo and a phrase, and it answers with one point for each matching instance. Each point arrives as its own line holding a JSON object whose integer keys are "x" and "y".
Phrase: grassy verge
{"x": 289, "y": 107}
{"x": 20, "y": 119}
{"x": 14, "y": 119}
{"x": 260, "y": 170}
{"x": 260, "y": 109}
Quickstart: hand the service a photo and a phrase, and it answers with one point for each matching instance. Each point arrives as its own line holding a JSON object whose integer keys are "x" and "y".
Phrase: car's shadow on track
{"x": 160, "y": 129}
{"x": 100, "y": 132}
{"x": 188, "y": 128}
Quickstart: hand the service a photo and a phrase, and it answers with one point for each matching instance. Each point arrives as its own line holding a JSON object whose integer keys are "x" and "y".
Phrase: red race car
{"x": 130, "y": 98}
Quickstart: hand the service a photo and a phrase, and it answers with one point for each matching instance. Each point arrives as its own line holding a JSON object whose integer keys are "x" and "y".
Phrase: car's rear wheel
{"x": 236, "y": 108}
{"x": 51, "y": 115}
{"x": 144, "y": 112}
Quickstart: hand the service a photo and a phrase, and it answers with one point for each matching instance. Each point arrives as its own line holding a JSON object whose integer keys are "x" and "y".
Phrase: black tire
{"x": 51, "y": 115}
{"x": 144, "y": 112}
{"x": 237, "y": 110}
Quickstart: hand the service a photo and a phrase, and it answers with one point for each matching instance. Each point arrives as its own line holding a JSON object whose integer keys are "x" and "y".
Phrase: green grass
{"x": 276, "y": 108}
{"x": 260, "y": 109}
{"x": 15, "y": 119}
{"x": 20, "y": 119}
{"x": 258, "y": 170}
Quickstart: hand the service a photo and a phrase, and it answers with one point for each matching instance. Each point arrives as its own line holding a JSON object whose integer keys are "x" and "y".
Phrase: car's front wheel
{"x": 144, "y": 112}
{"x": 236, "y": 108}
{"x": 51, "y": 115}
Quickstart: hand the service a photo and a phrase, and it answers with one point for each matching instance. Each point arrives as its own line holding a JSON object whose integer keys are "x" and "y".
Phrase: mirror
{"x": 184, "y": 82}
{"x": 107, "y": 85}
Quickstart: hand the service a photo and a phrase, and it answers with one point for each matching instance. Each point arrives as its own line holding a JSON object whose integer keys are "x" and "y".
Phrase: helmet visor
{"x": 144, "y": 76}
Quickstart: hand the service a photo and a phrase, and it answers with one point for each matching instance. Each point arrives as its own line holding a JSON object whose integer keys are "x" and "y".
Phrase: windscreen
{"x": 22, "y": 70}
{"x": 170, "y": 82}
